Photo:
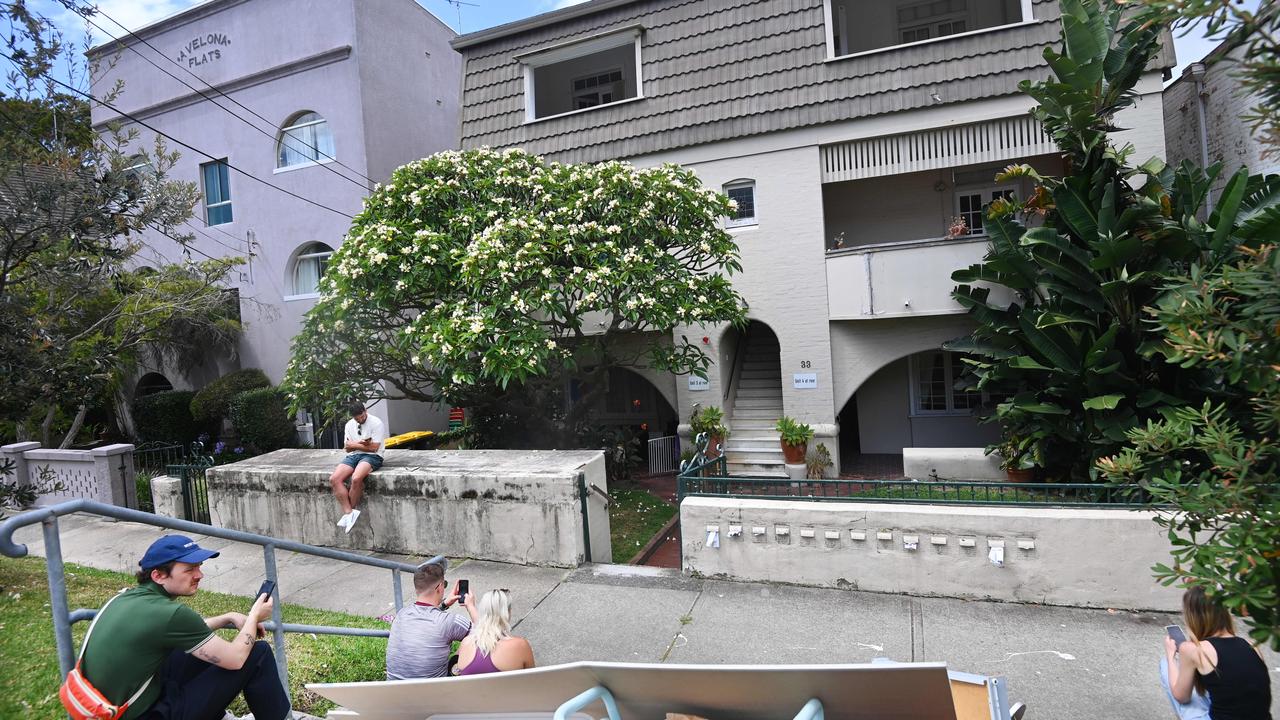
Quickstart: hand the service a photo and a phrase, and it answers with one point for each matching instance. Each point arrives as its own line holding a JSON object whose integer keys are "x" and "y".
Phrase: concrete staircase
{"x": 753, "y": 447}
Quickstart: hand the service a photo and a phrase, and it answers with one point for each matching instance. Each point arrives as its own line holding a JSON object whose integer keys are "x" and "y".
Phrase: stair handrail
{"x": 730, "y": 401}
{"x": 63, "y": 617}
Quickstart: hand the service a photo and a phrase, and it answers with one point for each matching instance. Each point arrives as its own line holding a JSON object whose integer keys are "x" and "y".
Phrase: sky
{"x": 463, "y": 16}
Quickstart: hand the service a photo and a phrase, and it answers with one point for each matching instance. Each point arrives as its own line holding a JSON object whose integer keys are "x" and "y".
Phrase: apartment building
{"x": 853, "y": 134}
{"x": 331, "y": 96}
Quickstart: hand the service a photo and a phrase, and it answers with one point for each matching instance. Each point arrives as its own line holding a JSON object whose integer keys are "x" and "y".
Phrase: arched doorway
{"x": 633, "y": 406}
{"x": 912, "y": 401}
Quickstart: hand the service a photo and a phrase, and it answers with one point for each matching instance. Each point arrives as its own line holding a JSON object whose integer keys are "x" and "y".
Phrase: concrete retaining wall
{"x": 1078, "y": 557}
{"x": 924, "y": 463}
{"x": 105, "y": 474}
{"x": 518, "y": 506}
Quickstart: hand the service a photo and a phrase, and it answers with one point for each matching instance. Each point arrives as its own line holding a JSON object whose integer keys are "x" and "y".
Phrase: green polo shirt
{"x": 132, "y": 639}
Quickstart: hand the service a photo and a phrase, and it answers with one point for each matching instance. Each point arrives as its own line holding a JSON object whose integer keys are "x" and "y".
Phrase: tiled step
{"x": 757, "y": 470}
{"x": 758, "y": 402}
{"x": 754, "y": 456}
{"x": 740, "y": 424}
{"x": 761, "y": 436}
{"x": 759, "y": 392}
{"x": 749, "y": 413}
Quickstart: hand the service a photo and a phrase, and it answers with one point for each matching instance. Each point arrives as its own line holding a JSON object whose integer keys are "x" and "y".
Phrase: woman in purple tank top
{"x": 490, "y": 647}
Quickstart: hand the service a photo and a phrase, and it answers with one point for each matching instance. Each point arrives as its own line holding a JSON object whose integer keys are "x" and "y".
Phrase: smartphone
{"x": 1176, "y": 633}
{"x": 268, "y": 587}
{"x": 463, "y": 587}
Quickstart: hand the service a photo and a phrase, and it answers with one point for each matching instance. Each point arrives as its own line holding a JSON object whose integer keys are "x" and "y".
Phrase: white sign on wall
{"x": 805, "y": 381}
{"x": 696, "y": 383}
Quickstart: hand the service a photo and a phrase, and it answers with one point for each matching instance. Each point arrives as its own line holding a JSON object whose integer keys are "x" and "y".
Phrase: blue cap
{"x": 174, "y": 548}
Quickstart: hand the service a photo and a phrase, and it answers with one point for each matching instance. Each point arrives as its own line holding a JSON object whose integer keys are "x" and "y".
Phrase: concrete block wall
{"x": 105, "y": 474}
{"x": 1079, "y": 557}
{"x": 518, "y": 506}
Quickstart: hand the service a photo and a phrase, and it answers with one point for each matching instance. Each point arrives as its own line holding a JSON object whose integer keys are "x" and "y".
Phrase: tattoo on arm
{"x": 207, "y": 656}
{"x": 247, "y": 637}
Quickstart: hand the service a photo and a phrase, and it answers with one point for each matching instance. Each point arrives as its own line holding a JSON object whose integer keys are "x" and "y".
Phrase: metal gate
{"x": 664, "y": 454}
{"x": 195, "y": 486}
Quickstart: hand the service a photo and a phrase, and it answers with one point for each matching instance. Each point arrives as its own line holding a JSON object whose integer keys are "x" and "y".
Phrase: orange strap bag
{"x": 84, "y": 701}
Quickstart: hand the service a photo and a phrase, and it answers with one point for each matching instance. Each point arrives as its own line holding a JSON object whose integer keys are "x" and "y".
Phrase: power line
{"x": 192, "y": 148}
{"x": 202, "y": 94}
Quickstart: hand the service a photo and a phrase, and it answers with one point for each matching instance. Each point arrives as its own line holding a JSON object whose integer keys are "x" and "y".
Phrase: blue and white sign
{"x": 697, "y": 384}
{"x": 805, "y": 381}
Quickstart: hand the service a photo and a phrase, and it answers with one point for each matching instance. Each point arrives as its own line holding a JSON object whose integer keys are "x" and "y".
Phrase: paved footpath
{"x": 1063, "y": 662}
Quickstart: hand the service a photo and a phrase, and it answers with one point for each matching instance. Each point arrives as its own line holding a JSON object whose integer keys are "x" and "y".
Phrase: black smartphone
{"x": 268, "y": 587}
{"x": 463, "y": 587}
{"x": 1176, "y": 633}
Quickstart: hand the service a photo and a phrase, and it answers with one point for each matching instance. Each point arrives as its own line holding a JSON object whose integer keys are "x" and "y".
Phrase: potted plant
{"x": 795, "y": 439}
{"x": 817, "y": 462}
{"x": 709, "y": 420}
{"x": 1015, "y": 458}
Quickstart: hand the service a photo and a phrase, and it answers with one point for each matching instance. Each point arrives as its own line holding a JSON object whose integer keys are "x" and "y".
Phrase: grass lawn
{"x": 634, "y": 517}
{"x": 29, "y": 663}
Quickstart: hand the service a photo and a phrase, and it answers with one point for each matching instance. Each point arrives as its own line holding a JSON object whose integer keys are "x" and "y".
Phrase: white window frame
{"x": 834, "y": 53}
{"x": 986, "y": 191}
{"x": 754, "y": 219}
{"x": 293, "y": 272}
{"x": 204, "y": 192}
{"x": 530, "y": 62}
{"x": 913, "y": 378}
{"x": 280, "y": 140}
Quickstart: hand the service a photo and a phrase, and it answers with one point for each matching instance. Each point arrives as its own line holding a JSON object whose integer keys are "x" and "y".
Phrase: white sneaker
{"x": 355, "y": 515}
{"x": 345, "y": 522}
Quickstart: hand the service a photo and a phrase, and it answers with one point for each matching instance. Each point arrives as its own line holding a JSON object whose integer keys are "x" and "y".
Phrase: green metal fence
{"x": 195, "y": 486}
{"x": 709, "y": 477}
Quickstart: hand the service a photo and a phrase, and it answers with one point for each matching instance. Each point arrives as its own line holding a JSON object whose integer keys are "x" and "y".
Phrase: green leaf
{"x": 1102, "y": 402}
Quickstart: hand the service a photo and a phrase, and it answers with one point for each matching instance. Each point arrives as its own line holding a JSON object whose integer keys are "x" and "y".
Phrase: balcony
{"x": 894, "y": 239}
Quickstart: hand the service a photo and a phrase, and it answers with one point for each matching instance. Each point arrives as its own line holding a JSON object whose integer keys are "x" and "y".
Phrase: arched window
{"x": 309, "y": 266}
{"x": 152, "y": 383}
{"x": 743, "y": 193}
{"x": 305, "y": 140}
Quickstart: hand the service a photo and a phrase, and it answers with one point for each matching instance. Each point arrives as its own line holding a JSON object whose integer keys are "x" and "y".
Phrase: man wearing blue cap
{"x": 146, "y": 642}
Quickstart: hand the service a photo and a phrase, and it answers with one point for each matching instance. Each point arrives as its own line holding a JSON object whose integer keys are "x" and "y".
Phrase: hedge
{"x": 212, "y": 403}
{"x": 165, "y": 417}
{"x": 261, "y": 419}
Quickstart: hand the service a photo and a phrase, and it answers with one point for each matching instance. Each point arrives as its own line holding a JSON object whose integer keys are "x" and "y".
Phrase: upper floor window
{"x": 216, "y": 177}
{"x": 743, "y": 193}
{"x": 971, "y": 207}
{"x": 582, "y": 75}
{"x": 309, "y": 266}
{"x": 305, "y": 140}
{"x": 858, "y": 26}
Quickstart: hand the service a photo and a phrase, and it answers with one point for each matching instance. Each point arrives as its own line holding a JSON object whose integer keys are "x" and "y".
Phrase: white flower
{"x": 477, "y": 325}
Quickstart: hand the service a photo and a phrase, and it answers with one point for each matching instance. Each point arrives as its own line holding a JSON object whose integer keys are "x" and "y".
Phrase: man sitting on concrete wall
{"x": 422, "y": 634}
{"x": 363, "y": 440}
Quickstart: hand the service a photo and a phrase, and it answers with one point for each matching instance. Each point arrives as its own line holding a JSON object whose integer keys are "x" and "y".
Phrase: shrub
{"x": 212, "y": 403}
{"x": 165, "y": 417}
{"x": 817, "y": 462}
{"x": 142, "y": 481}
{"x": 262, "y": 420}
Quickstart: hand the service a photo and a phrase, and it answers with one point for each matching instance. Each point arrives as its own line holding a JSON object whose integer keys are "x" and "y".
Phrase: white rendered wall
{"x": 1083, "y": 557}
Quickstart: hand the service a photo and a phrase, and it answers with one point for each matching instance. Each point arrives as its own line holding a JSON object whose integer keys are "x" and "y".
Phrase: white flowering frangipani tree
{"x": 475, "y": 275}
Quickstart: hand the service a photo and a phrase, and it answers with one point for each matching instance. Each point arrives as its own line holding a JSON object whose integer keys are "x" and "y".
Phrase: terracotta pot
{"x": 715, "y": 447}
{"x": 1019, "y": 475}
{"x": 794, "y": 454}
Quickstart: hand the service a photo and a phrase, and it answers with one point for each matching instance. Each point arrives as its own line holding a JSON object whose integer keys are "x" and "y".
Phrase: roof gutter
{"x": 519, "y": 26}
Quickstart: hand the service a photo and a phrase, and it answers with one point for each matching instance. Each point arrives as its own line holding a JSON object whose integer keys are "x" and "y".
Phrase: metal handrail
{"x": 63, "y": 617}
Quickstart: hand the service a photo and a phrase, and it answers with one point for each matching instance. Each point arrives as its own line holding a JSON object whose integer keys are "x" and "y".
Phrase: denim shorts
{"x": 354, "y": 459}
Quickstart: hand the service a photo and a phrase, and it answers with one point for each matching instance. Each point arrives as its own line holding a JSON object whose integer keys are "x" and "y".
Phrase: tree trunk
{"x": 46, "y": 427}
{"x": 75, "y": 427}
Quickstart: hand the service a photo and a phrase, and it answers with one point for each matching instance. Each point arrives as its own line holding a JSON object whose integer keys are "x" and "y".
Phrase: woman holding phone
{"x": 491, "y": 647}
{"x": 1214, "y": 673}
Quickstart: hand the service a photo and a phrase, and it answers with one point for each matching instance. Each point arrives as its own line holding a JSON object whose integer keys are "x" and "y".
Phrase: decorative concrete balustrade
{"x": 1086, "y": 557}
{"x": 105, "y": 474}
{"x": 521, "y": 506}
